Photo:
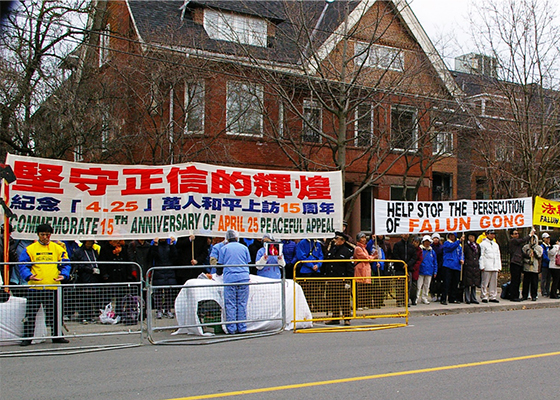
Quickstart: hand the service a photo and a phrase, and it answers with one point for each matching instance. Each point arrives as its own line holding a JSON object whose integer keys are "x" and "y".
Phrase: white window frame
{"x": 443, "y": 143}
{"x": 104, "y": 44}
{"x": 309, "y": 134}
{"x": 281, "y": 121}
{"x": 79, "y": 153}
{"x": 237, "y": 28}
{"x": 377, "y": 56}
{"x": 414, "y": 138}
{"x": 357, "y": 130}
{"x": 195, "y": 103}
{"x": 250, "y": 96}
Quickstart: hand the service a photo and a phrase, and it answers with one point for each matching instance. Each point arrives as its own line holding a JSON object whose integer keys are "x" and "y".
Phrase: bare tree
{"x": 519, "y": 147}
{"x": 37, "y": 37}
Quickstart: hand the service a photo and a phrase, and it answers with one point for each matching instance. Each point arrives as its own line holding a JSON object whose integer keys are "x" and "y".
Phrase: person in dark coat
{"x": 163, "y": 253}
{"x": 436, "y": 285}
{"x": 117, "y": 271}
{"x": 138, "y": 252}
{"x": 339, "y": 291}
{"x": 471, "y": 269}
{"x": 88, "y": 273}
{"x": 405, "y": 251}
{"x": 186, "y": 245}
{"x": 516, "y": 262}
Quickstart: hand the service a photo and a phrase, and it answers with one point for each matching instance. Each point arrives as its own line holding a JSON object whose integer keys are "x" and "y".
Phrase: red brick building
{"x": 355, "y": 86}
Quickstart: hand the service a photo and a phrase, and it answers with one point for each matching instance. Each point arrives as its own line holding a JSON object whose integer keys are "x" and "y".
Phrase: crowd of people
{"x": 447, "y": 269}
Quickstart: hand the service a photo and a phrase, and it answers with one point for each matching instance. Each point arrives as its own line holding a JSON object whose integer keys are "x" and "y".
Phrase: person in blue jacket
{"x": 312, "y": 251}
{"x": 235, "y": 257}
{"x": 428, "y": 269}
{"x": 452, "y": 263}
{"x": 268, "y": 264}
{"x": 289, "y": 253}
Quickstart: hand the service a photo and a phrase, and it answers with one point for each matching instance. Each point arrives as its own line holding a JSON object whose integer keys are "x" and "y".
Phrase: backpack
{"x": 132, "y": 306}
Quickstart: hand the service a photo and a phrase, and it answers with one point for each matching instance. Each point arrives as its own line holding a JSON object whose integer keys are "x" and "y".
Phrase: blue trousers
{"x": 235, "y": 300}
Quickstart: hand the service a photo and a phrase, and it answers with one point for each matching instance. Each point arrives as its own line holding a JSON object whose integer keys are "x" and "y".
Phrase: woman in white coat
{"x": 490, "y": 263}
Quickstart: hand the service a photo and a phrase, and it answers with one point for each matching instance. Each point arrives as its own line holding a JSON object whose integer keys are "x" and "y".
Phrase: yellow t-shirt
{"x": 47, "y": 273}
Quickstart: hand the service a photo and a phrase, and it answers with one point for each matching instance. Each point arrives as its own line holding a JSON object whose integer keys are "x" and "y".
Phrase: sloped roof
{"x": 166, "y": 23}
{"x": 170, "y": 23}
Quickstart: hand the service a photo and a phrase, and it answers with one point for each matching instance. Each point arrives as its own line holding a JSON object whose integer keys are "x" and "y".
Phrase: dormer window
{"x": 235, "y": 28}
{"x": 376, "y": 56}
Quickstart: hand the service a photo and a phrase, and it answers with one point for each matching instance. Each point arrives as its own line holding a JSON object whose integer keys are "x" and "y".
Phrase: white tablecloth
{"x": 264, "y": 303}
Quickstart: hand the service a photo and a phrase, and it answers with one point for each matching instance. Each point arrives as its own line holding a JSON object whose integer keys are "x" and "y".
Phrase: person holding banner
{"x": 453, "y": 261}
{"x": 490, "y": 264}
{"x": 532, "y": 253}
{"x": 311, "y": 250}
{"x": 471, "y": 269}
{"x": 516, "y": 262}
{"x": 405, "y": 251}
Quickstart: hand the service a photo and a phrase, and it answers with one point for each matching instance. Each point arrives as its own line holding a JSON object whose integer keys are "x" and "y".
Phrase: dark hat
{"x": 489, "y": 231}
{"x": 341, "y": 235}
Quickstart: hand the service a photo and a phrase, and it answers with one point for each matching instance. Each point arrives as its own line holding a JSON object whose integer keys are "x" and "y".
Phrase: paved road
{"x": 436, "y": 357}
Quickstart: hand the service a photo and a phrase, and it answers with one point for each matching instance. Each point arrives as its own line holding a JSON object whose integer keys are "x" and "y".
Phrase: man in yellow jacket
{"x": 37, "y": 271}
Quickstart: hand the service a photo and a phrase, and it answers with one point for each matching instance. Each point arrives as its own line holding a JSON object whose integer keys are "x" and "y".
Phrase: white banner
{"x": 422, "y": 217}
{"x": 104, "y": 201}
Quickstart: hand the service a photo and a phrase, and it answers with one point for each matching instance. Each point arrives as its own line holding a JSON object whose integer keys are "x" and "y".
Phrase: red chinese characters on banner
{"x": 222, "y": 182}
{"x": 94, "y": 180}
{"x": 314, "y": 188}
{"x": 548, "y": 208}
{"x": 190, "y": 179}
{"x": 272, "y": 185}
{"x": 142, "y": 181}
{"x": 35, "y": 177}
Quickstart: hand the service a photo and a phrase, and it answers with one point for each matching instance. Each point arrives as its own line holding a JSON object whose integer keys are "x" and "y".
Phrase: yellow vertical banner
{"x": 546, "y": 212}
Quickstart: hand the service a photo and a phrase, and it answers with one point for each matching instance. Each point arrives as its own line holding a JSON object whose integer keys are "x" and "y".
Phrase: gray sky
{"x": 447, "y": 24}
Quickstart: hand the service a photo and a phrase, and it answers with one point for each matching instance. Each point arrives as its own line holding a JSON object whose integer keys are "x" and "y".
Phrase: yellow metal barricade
{"x": 352, "y": 303}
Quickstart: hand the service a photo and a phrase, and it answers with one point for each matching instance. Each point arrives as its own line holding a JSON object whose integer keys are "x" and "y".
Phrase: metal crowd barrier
{"x": 352, "y": 303}
{"x": 92, "y": 316}
{"x": 195, "y": 312}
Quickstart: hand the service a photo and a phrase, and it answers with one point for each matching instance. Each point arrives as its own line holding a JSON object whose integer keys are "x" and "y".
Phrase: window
{"x": 376, "y": 56}
{"x": 397, "y": 193}
{"x": 366, "y": 210}
{"x": 504, "y": 152}
{"x": 105, "y": 130}
{"x": 244, "y": 113}
{"x": 194, "y": 107}
{"x": 364, "y": 125}
{"x": 78, "y": 153}
{"x": 312, "y": 124}
{"x": 104, "y": 38}
{"x": 404, "y": 128}
{"x": 235, "y": 28}
{"x": 281, "y": 119}
{"x": 443, "y": 143}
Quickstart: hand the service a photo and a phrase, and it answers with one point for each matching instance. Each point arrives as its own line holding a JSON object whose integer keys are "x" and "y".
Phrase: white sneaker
{"x": 159, "y": 315}
{"x": 169, "y": 314}
{"x": 425, "y": 301}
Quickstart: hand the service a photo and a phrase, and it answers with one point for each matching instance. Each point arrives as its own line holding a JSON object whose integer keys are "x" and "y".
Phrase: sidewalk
{"x": 436, "y": 308}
